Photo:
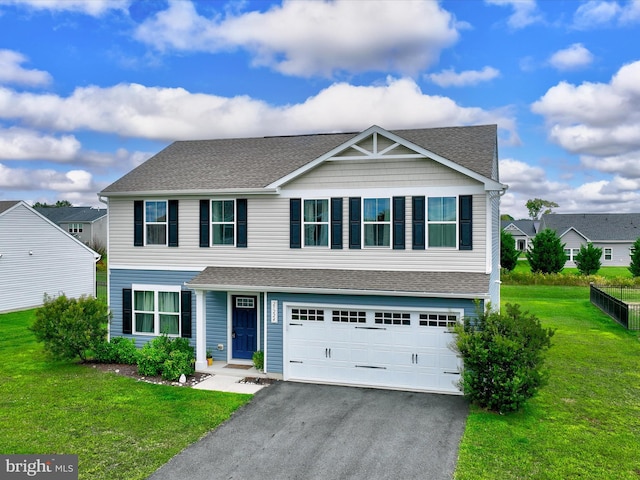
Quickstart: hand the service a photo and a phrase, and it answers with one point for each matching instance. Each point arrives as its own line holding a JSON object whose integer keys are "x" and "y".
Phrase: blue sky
{"x": 90, "y": 89}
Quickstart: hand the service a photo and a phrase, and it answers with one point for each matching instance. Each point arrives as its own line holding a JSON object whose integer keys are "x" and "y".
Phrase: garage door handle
{"x": 327, "y": 353}
{"x": 451, "y": 373}
{"x": 296, "y": 324}
{"x": 295, "y": 361}
{"x": 372, "y": 328}
{"x": 370, "y": 366}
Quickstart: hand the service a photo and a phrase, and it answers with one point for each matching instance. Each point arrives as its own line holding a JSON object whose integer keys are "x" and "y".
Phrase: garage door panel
{"x": 372, "y": 347}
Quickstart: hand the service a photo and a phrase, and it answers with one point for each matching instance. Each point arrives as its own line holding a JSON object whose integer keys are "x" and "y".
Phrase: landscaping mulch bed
{"x": 132, "y": 372}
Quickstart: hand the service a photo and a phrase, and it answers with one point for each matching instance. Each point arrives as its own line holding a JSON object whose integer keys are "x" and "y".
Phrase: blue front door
{"x": 244, "y": 333}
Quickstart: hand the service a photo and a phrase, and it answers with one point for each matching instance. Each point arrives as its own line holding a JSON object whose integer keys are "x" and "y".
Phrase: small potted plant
{"x": 209, "y": 358}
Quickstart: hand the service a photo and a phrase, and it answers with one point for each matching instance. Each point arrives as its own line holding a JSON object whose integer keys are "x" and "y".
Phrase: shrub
{"x": 588, "y": 259}
{"x": 508, "y": 252}
{"x": 258, "y": 360}
{"x": 167, "y": 357}
{"x": 118, "y": 350}
{"x": 547, "y": 253}
{"x": 634, "y": 265}
{"x": 503, "y": 357}
{"x": 70, "y": 327}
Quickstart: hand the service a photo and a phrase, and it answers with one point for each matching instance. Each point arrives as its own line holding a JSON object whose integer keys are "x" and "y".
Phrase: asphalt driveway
{"x": 303, "y": 431}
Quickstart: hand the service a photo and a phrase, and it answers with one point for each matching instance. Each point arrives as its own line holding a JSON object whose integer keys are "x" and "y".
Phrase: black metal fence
{"x": 620, "y": 303}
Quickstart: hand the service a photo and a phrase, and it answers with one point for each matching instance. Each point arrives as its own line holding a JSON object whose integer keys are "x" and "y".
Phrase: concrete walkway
{"x": 323, "y": 432}
{"x": 225, "y": 378}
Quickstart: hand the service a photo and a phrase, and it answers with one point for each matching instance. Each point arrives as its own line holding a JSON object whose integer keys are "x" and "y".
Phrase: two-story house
{"x": 344, "y": 257}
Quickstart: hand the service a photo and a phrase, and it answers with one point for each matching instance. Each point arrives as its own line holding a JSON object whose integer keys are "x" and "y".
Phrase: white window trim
{"x": 572, "y": 253}
{"x": 156, "y": 314}
{"x": 212, "y": 223}
{"x": 328, "y": 222}
{"x": 428, "y": 223}
{"x": 610, "y": 254}
{"x": 390, "y": 223}
{"x": 165, "y": 223}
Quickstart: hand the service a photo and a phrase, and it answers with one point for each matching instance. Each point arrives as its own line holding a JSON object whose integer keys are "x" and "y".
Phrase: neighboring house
{"x": 346, "y": 258}
{"x": 614, "y": 233}
{"x": 522, "y": 232}
{"x": 87, "y": 224}
{"x": 38, "y": 257}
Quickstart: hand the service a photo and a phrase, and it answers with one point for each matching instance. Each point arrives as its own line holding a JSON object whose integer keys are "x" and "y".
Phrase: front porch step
{"x": 223, "y": 368}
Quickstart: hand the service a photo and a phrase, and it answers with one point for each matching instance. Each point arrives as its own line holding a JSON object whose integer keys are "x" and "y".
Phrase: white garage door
{"x": 405, "y": 349}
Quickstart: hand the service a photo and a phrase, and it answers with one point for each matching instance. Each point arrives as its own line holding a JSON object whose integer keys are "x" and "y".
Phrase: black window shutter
{"x": 398, "y": 223}
{"x": 204, "y": 223}
{"x": 336, "y": 223}
{"x": 127, "y": 311}
{"x": 241, "y": 222}
{"x": 173, "y": 223}
{"x": 355, "y": 215}
{"x": 138, "y": 223}
{"x": 185, "y": 300}
{"x": 418, "y": 218}
{"x": 295, "y": 223}
{"x": 466, "y": 222}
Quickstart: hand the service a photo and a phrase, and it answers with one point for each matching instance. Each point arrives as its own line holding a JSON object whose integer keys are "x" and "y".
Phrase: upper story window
{"x": 75, "y": 228}
{"x": 442, "y": 222}
{"x": 222, "y": 222}
{"x": 608, "y": 253}
{"x": 316, "y": 223}
{"x": 155, "y": 220}
{"x": 377, "y": 222}
{"x": 156, "y": 310}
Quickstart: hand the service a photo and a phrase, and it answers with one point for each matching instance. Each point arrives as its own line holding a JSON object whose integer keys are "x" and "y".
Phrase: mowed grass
{"x": 119, "y": 428}
{"x": 586, "y": 422}
{"x": 607, "y": 272}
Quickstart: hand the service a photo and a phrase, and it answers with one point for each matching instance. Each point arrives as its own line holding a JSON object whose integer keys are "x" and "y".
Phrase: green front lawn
{"x": 586, "y": 422}
{"x": 119, "y": 428}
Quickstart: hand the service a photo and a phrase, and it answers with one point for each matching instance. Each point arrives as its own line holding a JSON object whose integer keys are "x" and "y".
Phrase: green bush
{"x": 258, "y": 360}
{"x": 547, "y": 253}
{"x": 70, "y": 327}
{"x": 588, "y": 259}
{"x": 634, "y": 264}
{"x": 169, "y": 357}
{"x": 118, "y": 350}
{"x": 503, "y": 358}
{"x": 508, "y": 253}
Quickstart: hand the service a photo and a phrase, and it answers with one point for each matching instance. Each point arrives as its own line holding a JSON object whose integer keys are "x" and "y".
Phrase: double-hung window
{"x": 222, "y": 222}
{"x": 377, "y": 222}
{"x": 608, "y": 253}
{"x": 442, "y": 222}
{"x": 316, "y": 223}
{"x": 155, "y": 220}
{"x": 156, "y": 310}
{"x": 571, "y": 253}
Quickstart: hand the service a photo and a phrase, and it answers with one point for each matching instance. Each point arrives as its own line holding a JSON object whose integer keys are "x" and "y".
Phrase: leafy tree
{"x": 588, "y": 259}
{"x": 634, "y": 265}
{"x": 506, "y": 216}
{"x": 503, "y": 357}
{"x": 538, "y": 207}
{"x": 508, "y": 252}
{"x": 546, "y": 254}
{"x": 70, "y": 327}
{"x": 59, "y": 203}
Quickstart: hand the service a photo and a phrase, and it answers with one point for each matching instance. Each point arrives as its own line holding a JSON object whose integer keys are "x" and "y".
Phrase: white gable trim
{"x": 506, "y": 229}
{"x": 576, "y": 231}
{"x": 421, "y": 152}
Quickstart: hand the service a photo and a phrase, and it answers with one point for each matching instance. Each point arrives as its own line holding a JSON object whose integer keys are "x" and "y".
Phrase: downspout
{"x": 264, "y": 315}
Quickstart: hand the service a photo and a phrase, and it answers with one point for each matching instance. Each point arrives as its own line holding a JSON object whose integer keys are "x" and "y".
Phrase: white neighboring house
{"x": 38, "y": 257}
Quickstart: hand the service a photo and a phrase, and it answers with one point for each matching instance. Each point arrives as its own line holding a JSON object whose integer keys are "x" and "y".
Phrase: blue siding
{"x": 125, "y": 278}
{"x": 216, "y": 324}
{"x": 275, "y": 330}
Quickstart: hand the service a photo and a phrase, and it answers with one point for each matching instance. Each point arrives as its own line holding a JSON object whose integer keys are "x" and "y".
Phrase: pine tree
{"x": 634, "y": 266}
{"x": 546, "y": 254}
{"x": 588, "y": 259}
{"x": 508, "y": 252}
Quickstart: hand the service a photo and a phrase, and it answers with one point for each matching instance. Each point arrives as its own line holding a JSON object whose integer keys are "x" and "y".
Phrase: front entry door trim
{"x": 244, "y": 332}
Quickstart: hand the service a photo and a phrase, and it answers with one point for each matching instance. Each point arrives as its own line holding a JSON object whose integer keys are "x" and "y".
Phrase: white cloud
{"x": 600, "y": 119}
{"x": 525, "y": 12}
{"x": 46, "y": 179}
{"x": 22, "y": 144}
{"x": 595, "y": 13}
{"x": 133, "y": 110}
{"x": 628, "y": 163}
{"x": 11, "y": 70}
{"x": 573, "y": 57}
{"x": 314, "y": 38}
{"x": 95, "y": 8}
{"x": 524, "y": 178}
{"x": 449, "y": 78}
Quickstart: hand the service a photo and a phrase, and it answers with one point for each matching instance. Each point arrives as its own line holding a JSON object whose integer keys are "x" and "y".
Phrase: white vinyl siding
{"x": 268, "y": 242}
{"x": 39, "y": 257}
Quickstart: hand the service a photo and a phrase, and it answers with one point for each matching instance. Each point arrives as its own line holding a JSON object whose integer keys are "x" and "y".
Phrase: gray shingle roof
{"x": 249, "y": 163}
{"x": 596, "y": 226}
{"x": 526, "y": 226}
{"x": 72, "y": 214}
{"x": 289, "y": 279}
{"x": 7, "y": 204}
